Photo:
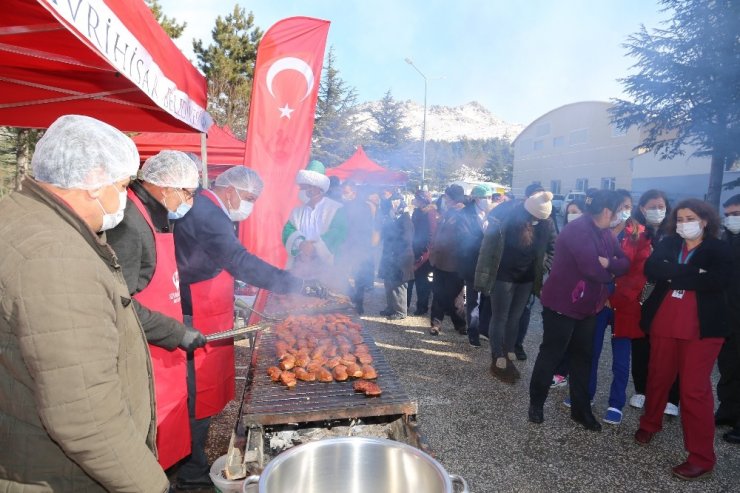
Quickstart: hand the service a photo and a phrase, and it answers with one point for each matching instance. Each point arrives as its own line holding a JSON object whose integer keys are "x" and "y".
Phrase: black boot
{"x": 586, "y": 419}
{"x": 535, "y": 414}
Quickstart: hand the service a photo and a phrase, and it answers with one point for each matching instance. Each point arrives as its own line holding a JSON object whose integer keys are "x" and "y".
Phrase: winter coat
{"x": 133, "y": 242}
{"x": 577, "y": 286}
{"x": 76, "y": 394}
{"x": 733, "y": 291}
{"x": 397, "y": 259}
{"x": 425, "y": 222}
{"x": 626, "y": 297}
{"x": 492, "y": 251}
{"x": 444, "y": 254}
{"x": 715, "y": 258}
{"x": 470, "y": 237}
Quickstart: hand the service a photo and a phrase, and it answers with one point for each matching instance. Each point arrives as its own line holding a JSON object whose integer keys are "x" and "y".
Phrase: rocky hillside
{"x": 450, "y": 124}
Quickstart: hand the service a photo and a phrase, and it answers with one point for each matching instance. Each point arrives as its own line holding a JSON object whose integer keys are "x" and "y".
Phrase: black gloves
{"x": 312, "y": 287}
{"x": 192, "y": 339}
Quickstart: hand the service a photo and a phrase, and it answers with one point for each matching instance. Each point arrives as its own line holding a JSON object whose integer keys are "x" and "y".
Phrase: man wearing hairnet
{"x": 209, "y": 258}
{"x": 77, "y": 399}
{"x": 146, "y": 251}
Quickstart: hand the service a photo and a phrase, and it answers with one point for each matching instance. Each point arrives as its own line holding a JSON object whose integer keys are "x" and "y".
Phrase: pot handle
{"x": 250, "y": 480}
{"x": 460, "y": 480}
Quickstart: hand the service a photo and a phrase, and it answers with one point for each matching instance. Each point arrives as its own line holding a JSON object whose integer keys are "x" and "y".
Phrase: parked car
{"x": 570, "y": 197}
{"x": 557, "y": 203}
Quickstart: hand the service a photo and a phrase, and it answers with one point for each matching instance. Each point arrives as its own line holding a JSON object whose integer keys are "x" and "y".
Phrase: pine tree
{"x": 228, "y": 63}
{"x": 391, "y": 132}
{"x": 687, "y": 89}
{"x": 335, "y": 131}
{"x": 169, "y": 24}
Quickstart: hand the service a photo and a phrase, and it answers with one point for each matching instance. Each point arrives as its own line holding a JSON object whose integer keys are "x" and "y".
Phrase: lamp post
{"x": 423, "y": 125}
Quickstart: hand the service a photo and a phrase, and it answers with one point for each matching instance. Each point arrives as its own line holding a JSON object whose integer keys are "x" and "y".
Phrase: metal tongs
{"x": 226, "y": 334}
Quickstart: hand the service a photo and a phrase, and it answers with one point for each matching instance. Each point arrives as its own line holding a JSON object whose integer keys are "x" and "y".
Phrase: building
{"x": 681, "y": 177}
{"x": 573, "y": 148}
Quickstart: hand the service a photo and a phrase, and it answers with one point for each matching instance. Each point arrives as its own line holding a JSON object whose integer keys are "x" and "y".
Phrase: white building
{"x": 574, "y": 147}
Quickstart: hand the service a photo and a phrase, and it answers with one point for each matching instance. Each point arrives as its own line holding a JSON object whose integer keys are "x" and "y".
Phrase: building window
{"x": 581, "y": 184}
{"x": 579, "y": 136}
{"x": 609, "y": 183}
{"x": 538, "y": 145}
{"x": 555, "y": 186}
{"x": 558, "y": 141}
{"x": 542, "y": 129}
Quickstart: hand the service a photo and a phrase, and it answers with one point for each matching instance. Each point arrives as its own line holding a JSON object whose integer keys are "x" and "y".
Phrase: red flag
{"x": 281, "y": 118}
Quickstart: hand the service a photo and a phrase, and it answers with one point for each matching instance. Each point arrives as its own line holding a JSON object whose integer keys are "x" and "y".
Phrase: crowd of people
{"x": 112, "y": 277}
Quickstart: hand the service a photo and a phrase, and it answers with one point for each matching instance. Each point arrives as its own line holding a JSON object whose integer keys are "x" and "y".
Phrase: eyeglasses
{"x": 189, "y": 193}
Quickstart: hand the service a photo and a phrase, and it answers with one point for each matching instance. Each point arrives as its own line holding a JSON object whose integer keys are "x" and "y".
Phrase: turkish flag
{"x": 281, "y": 118}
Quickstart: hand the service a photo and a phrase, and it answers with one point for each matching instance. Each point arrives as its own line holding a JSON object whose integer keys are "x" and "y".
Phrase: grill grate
{"x": 270, "y": 403}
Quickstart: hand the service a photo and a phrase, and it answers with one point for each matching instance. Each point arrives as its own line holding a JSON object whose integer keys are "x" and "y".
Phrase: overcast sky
{"x": 519, "y": 58}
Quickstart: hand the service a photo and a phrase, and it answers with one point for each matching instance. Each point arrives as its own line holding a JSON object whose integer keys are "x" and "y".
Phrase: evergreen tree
{"x": 169, "y": 24}
{"x": 228, "y": 63}
{"x": 687, "y": 89}
{"x": 335, "y": 131}
{"x": 391, "y": 132}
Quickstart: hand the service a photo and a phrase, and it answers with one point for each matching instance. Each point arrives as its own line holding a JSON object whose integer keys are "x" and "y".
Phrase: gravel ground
{"x": 477, "y": 426}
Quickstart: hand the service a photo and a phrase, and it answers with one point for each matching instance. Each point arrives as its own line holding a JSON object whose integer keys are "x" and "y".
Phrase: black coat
{"x": 713, "y": 256}
{"x": 733, "y": 292}
{"x": 397, "y": 259}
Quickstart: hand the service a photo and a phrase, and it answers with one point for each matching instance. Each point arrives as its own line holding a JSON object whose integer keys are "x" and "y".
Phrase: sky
{"x": 518, "y": 58}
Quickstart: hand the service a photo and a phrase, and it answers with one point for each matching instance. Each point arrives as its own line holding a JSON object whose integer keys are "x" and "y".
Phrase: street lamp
{"x": 423, "y": 125}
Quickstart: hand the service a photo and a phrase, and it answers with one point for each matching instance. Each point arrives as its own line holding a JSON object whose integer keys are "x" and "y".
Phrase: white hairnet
{"x": 170, "y": 169}
{"x": 82, "y": 152}
{"x": 241, "y": 177}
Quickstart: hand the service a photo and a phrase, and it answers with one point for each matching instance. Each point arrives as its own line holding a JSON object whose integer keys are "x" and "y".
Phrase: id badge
{"x": 678, "y": 293}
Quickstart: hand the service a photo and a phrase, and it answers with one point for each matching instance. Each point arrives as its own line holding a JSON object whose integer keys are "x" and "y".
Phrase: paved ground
{"x": 477, "y": 426}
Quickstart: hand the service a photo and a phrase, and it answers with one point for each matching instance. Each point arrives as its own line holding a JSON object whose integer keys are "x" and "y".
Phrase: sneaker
{"x": 387, "y": 312}
{"x": 434, "y": 330}
{"x": 483, "y": 336}
{"x": 396, "y": 316}
{"x": 671, "y": 409}
{"x": 475, "y": 344}
{"x": 558, "y": 381}
{"x": 637, "y": 401}
{"x": 511, "y": 356}
{"x": 613, "y": 416}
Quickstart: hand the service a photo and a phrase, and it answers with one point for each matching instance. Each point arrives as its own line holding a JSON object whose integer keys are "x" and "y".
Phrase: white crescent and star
{"x": 290, "y": 63}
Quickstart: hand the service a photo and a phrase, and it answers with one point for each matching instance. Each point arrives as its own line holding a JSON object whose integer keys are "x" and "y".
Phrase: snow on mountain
{"x": 450, "y": 124}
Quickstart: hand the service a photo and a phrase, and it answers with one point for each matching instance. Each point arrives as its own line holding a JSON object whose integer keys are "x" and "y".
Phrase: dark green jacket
{"x": 492, "y": 249}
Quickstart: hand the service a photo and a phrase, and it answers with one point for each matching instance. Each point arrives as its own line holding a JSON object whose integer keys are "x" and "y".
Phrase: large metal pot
{"x": 354, "y": 465}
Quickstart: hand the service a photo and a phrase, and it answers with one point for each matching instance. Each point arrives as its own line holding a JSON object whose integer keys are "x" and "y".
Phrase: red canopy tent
{"x": 224, "y": 150}
{"x": 364, "y": 171}
{"x": 108, "y": 59}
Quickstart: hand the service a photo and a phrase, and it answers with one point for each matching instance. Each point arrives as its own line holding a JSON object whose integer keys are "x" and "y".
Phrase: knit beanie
{"x": 455, "y": 192}
{"x": 481, "y": 192}
{"x": 539, "y": 205}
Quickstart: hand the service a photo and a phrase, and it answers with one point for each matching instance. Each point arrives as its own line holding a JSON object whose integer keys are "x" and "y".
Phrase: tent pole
{"x": 204, "y": 159}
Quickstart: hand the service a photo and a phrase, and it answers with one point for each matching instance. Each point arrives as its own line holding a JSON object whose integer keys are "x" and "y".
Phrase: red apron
{"x": 162, "y": 294}
{"x": 213, "y": 311}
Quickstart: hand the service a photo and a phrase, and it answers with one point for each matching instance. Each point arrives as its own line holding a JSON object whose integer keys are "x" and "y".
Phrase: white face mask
{"x": 689, "y": 230}
{"x": 110, "y": 221}
{"x": 654, "y": 216}
{"x": 483, "y": 204}
{"x": 303, "y": 196}
{"x": 732, "y": 223}
{"x": 573, "y": 216}
{"x": 243, "y": 212}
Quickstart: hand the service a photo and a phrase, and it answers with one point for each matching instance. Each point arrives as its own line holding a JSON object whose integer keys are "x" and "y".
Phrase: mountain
{"x": 450, "y": 124}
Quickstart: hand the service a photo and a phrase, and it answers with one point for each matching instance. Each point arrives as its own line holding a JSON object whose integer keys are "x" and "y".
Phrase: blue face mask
{"x": 180, "y": 212}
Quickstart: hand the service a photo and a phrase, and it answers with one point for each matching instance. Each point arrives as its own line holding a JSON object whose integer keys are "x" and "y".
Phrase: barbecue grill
{"x": 269, "y": 409}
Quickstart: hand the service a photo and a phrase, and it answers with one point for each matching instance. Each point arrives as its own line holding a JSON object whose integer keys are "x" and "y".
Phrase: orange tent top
{"x": 364, "y": 171}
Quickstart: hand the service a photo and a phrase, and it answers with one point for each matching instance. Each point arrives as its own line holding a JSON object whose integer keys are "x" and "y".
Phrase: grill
{"x": 269, "y": 403}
